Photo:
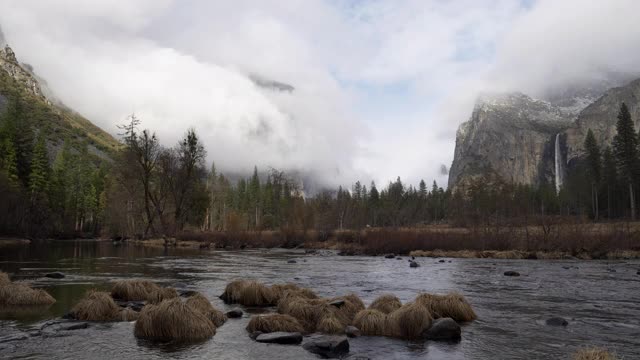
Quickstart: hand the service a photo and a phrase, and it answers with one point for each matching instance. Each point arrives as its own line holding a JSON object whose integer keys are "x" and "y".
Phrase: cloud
{"x": 380, "y": 86}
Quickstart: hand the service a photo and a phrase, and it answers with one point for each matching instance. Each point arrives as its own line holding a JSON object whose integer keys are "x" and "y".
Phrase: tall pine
{"x": 625, "y": 149}
{"x": 39, "y": 174}
{"x": 594, "y": 166}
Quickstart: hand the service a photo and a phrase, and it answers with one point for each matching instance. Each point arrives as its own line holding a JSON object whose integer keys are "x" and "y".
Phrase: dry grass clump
{"x": 4, "y": 278}
{"x": 20, "y": 294}
{"x": 128, "y": 314}
{"x": 452, "y": 305}
{"x": 200, "y": 303}
{"x": 371, "y": 322}
{"x": 329, "y": 324}
{"x": 173, "y": 320}
{"x": 160, "y": 294}
{"x": 409, "y": 321}
{"x": 386, "y": 303}
{"x": 279, "y": 290}
{"x": 273, "y": 323}
{"x": 307, "y": 311}
{"x": 593, "y": 354}
{"x": 98, "y": 306}
{"x": 249, "y": 293}
{"x": 352, "y": 305}
{"x": 141, "y": 290}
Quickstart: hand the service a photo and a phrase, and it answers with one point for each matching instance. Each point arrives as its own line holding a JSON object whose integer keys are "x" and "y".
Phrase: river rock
{"x": 441, "y": 260}
{"x": 255, "y": 334}
{"x": 291, "y": 261}
{"x": 398, "y": 258}
{"x": 511, "y": 273}
{"x": 55, "y": 275}
{"x": 234, "y": 313}
{"x": 556, "y": 321}
{"x": 390, "y": 256}
{"x": 280, "y": 338}
{"x": 413, "y": 264}
{"x": 337, "y": 303}
{"x": 329, "y": 347}
{"x": 443, "y": 329}
{"x": 352, "y": 331}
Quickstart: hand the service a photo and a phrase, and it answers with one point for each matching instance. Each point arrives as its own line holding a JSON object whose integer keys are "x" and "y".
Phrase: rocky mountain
{"x": 19, "y": 82}
{"x": 529, "y": 141}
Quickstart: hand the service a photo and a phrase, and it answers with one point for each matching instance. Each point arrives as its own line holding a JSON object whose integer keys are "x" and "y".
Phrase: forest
{"x": 147, "y": 190}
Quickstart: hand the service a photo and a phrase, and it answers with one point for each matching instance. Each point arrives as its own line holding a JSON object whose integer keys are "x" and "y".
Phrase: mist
{"x": 379, "y": 88}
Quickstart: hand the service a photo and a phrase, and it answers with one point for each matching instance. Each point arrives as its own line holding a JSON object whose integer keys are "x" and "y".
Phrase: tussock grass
{"x": 134, "y": 290}
{"x": 408, "y": 322}
{"x": 20, "y": 294}
{"x": 279, "y": 290}
{"x": 98, "y": 306}
{"x": 352, "y": 305}
{"x": 4, "y": 279}
{"x": 329, "y": 324}
{"x": 307, "y": 311}
{"x": 173, "y": 320}
{"x": 386, "y": 303}
{"x": 452, "y": 305}
{"x": 273, "y": 323}
{"x": 200, "y": 303}
{"x": 128, "y": 314}
{"x": 371, "y": 322}
{"x": 250, "y": 293}
{"x": 161, "y": 294}
{"x": 593, "y": 353}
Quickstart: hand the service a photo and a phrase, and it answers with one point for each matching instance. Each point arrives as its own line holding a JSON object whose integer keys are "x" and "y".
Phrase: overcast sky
{"x": 380, "y": 86}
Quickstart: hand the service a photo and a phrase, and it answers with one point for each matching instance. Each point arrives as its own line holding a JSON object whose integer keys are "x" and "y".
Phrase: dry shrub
{"x": 329, "y": 324}
{"x": 593, "y": 354}
{"x": 386, "y": 303}
{"x": 370, "y": 322}
{"x": 97, "y": 306}
{"x": 134, "y": 290}
{"x": 20, "y": 294}
{"x": 173, "y": 320}
{"x": 200, "y": 303}
{"x": 4, "y": 279}
{"x": 408, "y": 322}
{"x": 128, "y": 314}
{"x": 452, "y": 305}
{"x": 273, "y": 323}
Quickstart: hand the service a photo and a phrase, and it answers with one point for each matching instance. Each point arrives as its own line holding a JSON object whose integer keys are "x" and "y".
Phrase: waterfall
{"x": 558, "y": 160}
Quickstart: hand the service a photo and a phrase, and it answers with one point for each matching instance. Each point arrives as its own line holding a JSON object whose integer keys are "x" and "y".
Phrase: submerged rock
{"x": 413, "y": 264}
{"x": 55, "y": 275}
{"x": 79, "y": 326}
{"x": 254, "y": 335}
{"x": 280, "y": 338}
{"x": 234, "y": 313}
{"x": 511, "y": 273}
{"x": 556, "y": 321}
{"x": 390, "y": 256}
{"x": 352, "y": 331}
{"x": 329, "y": 347}
{"x": 291, "y": 261}
{"x": 443, "y": 329}
{"x": 441, "y": 260}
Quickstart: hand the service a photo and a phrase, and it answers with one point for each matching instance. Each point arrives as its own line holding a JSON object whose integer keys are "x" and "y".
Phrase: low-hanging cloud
{"x": 380, "y": 86}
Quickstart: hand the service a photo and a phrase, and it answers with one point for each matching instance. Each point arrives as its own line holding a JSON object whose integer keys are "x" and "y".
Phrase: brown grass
{"x": 593, "y": 354}
{"x": 371, "y": 322}
{"x": 4, "y": 279}
{"x": 20, "y": 294}
{"x": 307, "y": 311}
{"x": 173, "y": 320}
{"x": 98, "y": 306}
{"x": 128, "y": 314}
{"x": 160, "y": 294}
{"x": 249, "y": 293}
{"x": 452, "y": 305}
{"x": 352, "y": 305}
{"x": 329, "y": 324}
{"x": 273, "y": 323}
{"x": 386, "y": 303}
{"x": 409, "y": 321}
{"x": 200, "y": 303}
{"x": 134, "y": 290}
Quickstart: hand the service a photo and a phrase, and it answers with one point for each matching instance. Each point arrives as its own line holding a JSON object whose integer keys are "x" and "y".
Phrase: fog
{"x": 379, "y": 87}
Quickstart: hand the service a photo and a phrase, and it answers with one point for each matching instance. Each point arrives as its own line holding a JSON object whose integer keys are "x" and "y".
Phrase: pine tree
{"x": 10, "y": 163}
{"x": 610, "y": 176}
{"x": 39, "y": 175}
{"x": 625, "y": 149}
{"x": 593, "y": 169}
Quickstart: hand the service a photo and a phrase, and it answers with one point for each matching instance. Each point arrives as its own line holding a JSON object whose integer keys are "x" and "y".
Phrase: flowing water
{"x": 601, "y": 301}
{"x": 558, "y": 165}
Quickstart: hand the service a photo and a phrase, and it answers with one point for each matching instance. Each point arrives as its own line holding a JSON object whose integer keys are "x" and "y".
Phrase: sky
{"x": 380, "y": 86}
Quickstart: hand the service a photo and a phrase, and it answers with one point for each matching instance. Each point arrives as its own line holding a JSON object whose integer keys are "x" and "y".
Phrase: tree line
{"x": 146, "y": 190}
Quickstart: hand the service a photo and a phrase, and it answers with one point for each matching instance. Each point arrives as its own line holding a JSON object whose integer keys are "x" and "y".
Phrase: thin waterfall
{"x": 558, "y": 160}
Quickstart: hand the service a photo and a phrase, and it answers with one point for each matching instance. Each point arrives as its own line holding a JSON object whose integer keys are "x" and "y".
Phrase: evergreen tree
{"x": 10, "y": 163}
{"x": 39, "y": 175}
{"x": 593, "y": 169}
{"x": 625, "y": 149}
{"x": 609, "y": 177}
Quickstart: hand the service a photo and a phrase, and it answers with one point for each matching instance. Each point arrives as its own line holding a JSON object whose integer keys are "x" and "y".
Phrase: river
{"x": 600, "y": 299}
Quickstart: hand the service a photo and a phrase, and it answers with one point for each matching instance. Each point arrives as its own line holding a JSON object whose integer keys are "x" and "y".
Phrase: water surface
{"x": 601, "y": 301}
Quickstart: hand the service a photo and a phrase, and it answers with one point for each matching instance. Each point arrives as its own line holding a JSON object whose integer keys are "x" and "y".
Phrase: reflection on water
{"x": 602, "y": 306}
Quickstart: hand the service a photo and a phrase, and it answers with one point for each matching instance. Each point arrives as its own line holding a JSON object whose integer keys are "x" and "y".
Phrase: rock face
{"x": 513, "y": 136}
{"x": 443, "y": 329}
{"x": 328, "y": 347}
{"x": 280, "y": 338}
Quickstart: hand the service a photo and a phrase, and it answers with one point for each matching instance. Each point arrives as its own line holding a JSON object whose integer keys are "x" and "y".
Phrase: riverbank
{"x": 13, "y": 242}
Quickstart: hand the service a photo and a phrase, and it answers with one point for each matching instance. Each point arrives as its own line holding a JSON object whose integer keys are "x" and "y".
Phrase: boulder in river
{"x": 443, "y": 329}
{"x": 352, "y": 331}
{"x": 55, "y": 275}
{"x": 234, "y": 313}
{"x": 291, "y": 261}
{"x": 441, "y": 260}
{"x": 511, "y": 273}
{"x": 556, "y": 321}
{"x": 328, "y": 347}
{"x": 280, "y": 338}
{"x": 390, "y": 256}
{"x": 413, "y": 264}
